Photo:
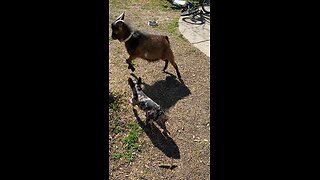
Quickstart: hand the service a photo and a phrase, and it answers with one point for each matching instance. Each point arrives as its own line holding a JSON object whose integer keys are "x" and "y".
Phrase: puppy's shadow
{"x": 167, "y": 92}
{"x": 162, "y": 142}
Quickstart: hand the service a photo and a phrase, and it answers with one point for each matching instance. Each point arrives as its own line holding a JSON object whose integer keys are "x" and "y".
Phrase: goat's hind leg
{"x": 170, "y": 57}
{"x": 176, "y": 68}
{"x": 165, "y": 65}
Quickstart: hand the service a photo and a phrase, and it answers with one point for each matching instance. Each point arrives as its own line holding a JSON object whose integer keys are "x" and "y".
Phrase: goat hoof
{"x": 131, "y": 67}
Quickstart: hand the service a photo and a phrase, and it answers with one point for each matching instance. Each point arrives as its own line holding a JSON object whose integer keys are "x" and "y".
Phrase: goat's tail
{"x": 167, "y": 39}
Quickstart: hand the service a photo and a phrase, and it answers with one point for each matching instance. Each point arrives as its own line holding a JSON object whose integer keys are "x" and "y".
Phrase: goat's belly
{"x": 150, "y": 57}
{"x": 152, "y": 60}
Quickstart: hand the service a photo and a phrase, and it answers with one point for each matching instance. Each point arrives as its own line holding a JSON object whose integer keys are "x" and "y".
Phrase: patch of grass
{"x": 130, "y": 141}
{"x": 117, "y": 155}
{"x": 114, "y": 110}
{"x": 129, "y": 156}
{"x": 163, "y": 5}
{"x": 114, "y": 106}
{"x": 113, "y": 3}
{"x": 172, "y": 27}
{"x": 117, "y": 129}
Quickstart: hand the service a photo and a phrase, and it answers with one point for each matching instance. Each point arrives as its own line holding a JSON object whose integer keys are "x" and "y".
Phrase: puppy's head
{"x": 131, "y": 83}
{"x": 120, "y": 29}
{"x": 135, "y": 85}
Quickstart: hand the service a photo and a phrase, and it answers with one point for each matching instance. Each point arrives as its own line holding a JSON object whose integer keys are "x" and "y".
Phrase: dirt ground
{"x": 187, "y": 105}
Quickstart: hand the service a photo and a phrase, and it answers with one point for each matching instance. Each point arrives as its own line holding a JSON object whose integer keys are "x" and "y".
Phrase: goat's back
{"x": 152, "y": 47}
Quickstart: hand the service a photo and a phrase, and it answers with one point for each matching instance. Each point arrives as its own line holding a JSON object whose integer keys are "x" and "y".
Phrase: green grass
{"x": 163, "y": 5}
{"x": 117, "y": 129}
{"x": 172, "y": 27}
{"x": 128, "y": 132}
{"x": 117, "y": 155}
{"x": 130, "y": 141}
{"x": 129, "y": 156}
{"x": 114, "y": 106}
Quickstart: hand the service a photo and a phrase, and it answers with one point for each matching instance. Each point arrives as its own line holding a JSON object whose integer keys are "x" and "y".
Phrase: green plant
{"x": 117, "y": 155}
{"x": 132, "y": 138}
{"x": 129, "y": 156}
{"x": 117, "y": 129}
{"x": 114, "y": 106}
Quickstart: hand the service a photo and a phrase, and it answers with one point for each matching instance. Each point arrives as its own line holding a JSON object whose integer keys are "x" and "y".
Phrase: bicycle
{"x": 192, "y": 9}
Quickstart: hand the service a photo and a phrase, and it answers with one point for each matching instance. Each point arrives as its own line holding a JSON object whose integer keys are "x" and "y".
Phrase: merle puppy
{"x": 153, "y": 111}
{"x": 141, "y": 45}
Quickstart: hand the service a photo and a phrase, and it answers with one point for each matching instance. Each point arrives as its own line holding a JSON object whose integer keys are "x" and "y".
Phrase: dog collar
{"x": 128, "y": 38}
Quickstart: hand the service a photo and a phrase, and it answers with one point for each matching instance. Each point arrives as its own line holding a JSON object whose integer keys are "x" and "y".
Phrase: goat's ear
{"x": 130, "y": 82}
{"x": 139, "y": 80}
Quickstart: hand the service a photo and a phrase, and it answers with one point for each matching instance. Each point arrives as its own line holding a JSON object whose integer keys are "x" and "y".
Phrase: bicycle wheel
{"x": 205, "y": 4}
{"x": 188, "y": 12}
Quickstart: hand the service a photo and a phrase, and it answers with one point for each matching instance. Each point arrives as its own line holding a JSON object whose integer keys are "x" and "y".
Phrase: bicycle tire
{"x": 205, "y": 4}
{"x": 189, "y": 12}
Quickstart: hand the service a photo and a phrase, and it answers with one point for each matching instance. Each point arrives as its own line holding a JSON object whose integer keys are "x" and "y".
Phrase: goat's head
{"x": 120, "y": 30}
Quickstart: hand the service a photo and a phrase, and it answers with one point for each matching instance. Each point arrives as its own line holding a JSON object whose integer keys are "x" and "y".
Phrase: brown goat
{"x": 141, "y": 45}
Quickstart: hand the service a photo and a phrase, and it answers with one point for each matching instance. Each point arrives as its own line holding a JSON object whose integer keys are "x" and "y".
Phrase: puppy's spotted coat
{"x": 153, "y": 110}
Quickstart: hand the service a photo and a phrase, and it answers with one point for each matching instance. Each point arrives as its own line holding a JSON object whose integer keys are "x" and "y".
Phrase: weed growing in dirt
{"x": 114, "y": 106}
{"x": 130, "y": 143}
{"x": 117, "y": 155}
{"x": 132, "y": 138}
{"x": 125, "y": 133}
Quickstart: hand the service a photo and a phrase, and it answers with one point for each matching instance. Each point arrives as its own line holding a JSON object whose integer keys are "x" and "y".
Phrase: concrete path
{"x": 196, "y": 29}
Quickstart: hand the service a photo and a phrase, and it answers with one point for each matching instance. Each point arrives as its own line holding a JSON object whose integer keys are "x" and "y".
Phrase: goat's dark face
{"x": 119, "y": 29}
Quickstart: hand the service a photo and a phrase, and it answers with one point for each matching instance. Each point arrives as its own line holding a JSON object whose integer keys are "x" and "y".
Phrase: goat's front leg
{"x": 130, "y": 65}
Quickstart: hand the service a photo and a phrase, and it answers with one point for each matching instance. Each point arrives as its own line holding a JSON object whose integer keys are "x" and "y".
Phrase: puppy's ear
{"x": 139, "y": 81}
{"x": 130, "y": 82}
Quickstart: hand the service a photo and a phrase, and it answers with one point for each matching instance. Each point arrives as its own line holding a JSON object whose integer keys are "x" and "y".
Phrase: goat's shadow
{"x": 167, "y": 92}
{"x": 162, "y": 142}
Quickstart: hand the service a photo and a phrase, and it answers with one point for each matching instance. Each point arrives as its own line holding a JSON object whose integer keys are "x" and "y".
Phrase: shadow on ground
{"x": 162, "y": 142}
{"x": 167, "y": 92}
{"x": 197, "y": 18}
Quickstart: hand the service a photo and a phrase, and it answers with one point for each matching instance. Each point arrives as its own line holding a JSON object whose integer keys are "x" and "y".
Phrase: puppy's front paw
{"x": 132, "y": 102}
